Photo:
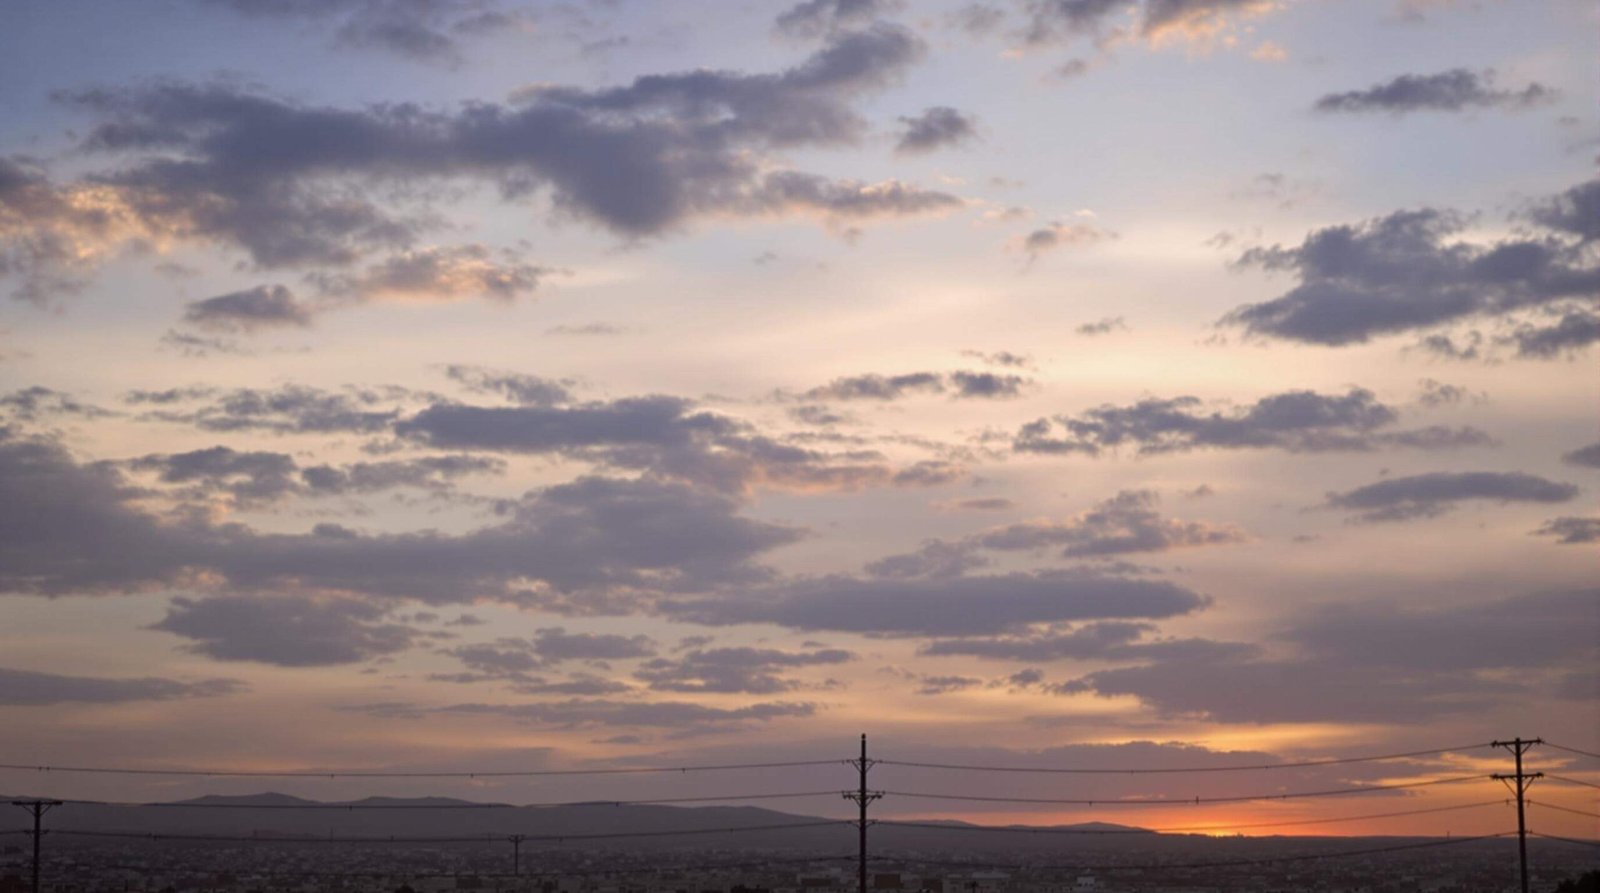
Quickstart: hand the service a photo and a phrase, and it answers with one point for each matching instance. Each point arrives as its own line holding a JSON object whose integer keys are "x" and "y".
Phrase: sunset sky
{"x": 513, "y": 384}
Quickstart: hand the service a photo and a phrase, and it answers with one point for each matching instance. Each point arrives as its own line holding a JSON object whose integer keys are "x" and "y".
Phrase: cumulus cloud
{"x": 438, "y": 274}
{"x": 1448, "y": 91}
{"x": 1127, "y": 523}
{"x": 1371, "y": 663}
{"x": 1571, "y": 531}
{"x": 1061, "y": 21}
{"x": 287, "y": 630}
{"x": 725, "y": 670}
{"x": 1057, "y": 235}
{"x": 1429, "y": 495}
{"x": 1104, "y": 326}
{"x": 423, "y": 30}
{"x": 959, "y": 384}
{"x": 955, "y": 606}
{"x": 817, "y": 18}
{"x": 583, "y": 713}
{"x": 519, "y": 388}
{"x": 1296, "y": 421}
{"x": 1405, "y": 273}
{"x": 289, "y": 409}
{"x": 261, "y": 307}
{"x": 589, "y": 545}
{"x": 26, "y": 688}
{"x": 935, "y": 128}
{"x": 1585, "y": 457}
{"x": 37, "y": 402}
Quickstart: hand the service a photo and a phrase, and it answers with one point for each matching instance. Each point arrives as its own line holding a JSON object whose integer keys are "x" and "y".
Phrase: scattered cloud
{"x": 261, "y": 307}
{"x": 936, "y": 127}
{"x": 1104, "y": 326}
{"x": 1571, "y": 531}
{"x": 26, "y": 688}
{"x": 1430, "y": 495}
{"x": 1448, "y": 91}
{"x": 734, "y": 670}
{"x": 286, "y": 630}
{"x": 1057, "y": 235}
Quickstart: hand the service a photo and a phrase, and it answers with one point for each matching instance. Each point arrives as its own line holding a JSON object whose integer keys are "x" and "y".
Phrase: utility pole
{"x": 516, "y": 853}
{"x": 1519, "y": 784}
{"x": 862, "y": 797}
{"x": 38, "y": 808}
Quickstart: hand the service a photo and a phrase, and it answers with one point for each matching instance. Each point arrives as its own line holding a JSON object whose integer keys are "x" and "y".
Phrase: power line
{"x": 965, "y": 767}
{"x": 1190, "y": 801}
{"x": 1230, "y": 863}
{"x": 1192, "y": 828}
{"x": 1581, "y": 753}
{"x": 1593, "y": 843}
{"x": 486, "y": 837}
{"x": 1592, "y": 815}
{"x": 528, "y": 773}
{"x": 1587, "y": 784}
{"x": 352, "y": 807}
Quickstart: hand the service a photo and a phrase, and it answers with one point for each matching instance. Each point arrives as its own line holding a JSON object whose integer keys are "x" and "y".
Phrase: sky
{"x": 508, "y": 384}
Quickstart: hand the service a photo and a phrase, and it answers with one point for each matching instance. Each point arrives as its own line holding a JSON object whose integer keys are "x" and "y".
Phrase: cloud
{"x": 1571, "y": 531}
{"x": 1124, "y": 524}
{"x": 1575, "y": 211}
{"x": 1429, "y": 495}
{"x": 817, "y": 18}
{"x": 1056, "y": 235}
{"x": 422, "y": 30}
{"x": 959, "y": 384}
{"x": 225, "y": 165}
{"x": 1372, "y": 662}
{"x": 730, "y": 670}
{"x": 956, "y": 606}
{"x": 261, "y": 307}
{"x": 248, "y": 477}
{"x": 26, "y": 688}
{"x": 437, "y": 274}
{"x": 1103, "y": 326}
{"x": 1584, "y": 457}
{"x": 1448, "y": 91}
{"x": 286, "y": 630}
{"x": 582, "y": 713}
{"x": 289, "y": 409}
{"x": 1574, "y": 331}
{"x": 661, "y": 435}
{"x": 519, "y": 388}
{"x": 935, "y": 128}
{"x": 1295, "y": 421}
{"x": 1001, "y": 358}
{"x": 1087, "y": 642}
{"x": 555, "y": 644}
{"x": 38, "y": 402}
{"x": 591, "y": 544}
{"x": 1062, "y": 21}
{"x": 1401, "y": 273}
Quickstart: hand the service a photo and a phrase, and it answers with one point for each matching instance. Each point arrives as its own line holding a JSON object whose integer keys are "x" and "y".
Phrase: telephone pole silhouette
{"x": 516, "y": 853}
{"x": 38, "y": 808}
{"x": 1519, "y": 784}
{"x": 862, "y": 797}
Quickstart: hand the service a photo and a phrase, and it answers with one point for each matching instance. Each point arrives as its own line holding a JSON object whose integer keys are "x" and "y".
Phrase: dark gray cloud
{"x": 286, "y": 630}
{"x": 592, "y": 544}
{"x": 984, "y": 504}
{"x": 665, "y": 437}
{"x": 1571, "y": 531}
{"x": 297, "y": 185}
{"x": 26, "y": 688}
{"x": 959, "y": 384}
{"x": 817, "y": 18}
{"x": 1428, "y": 495}
{"x": 519, "y": 388}
{"x": 725, "y": 670}
{"x": 1434, "y": 394}
{"x": 581, "y": 713}
{"x": 935, "y": 128}
{"x": 290, "y": 409}
{"x": 1061, "y": 21}
{"x": 261, "y": 307}
{"x": 438, "y": 274}
{"x": 555, "y": 644}
{"x": 1572, "y": 332}
{"x": 1296, "y": 421}
{"x": 1448, "y": 91}
{"x": 955, "y": 606}
{"x": 1374, "y": 663}
{"x": 1001, "y": 358}
{"x": 1586, "y": 456}
{"x": 1056, "y": 235}
{"x": 1103, "y": 326}
{"x": 247, "y": 477}
{"x": 1575, "y": 212}
{"x": 1403, "y": 273}
{"x": 38, "y": 402}
{"x": 1090, "y": 641}
{"x": 1127, "y": 523}
{"x": 424, "y": 30}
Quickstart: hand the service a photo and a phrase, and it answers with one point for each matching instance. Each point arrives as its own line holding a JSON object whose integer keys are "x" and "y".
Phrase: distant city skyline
{"x": 494, "y": 385}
